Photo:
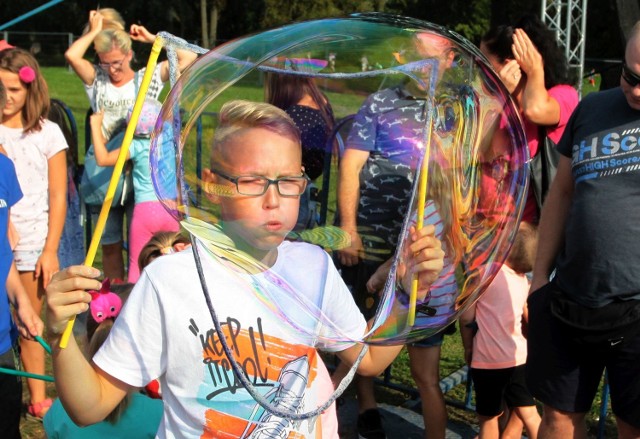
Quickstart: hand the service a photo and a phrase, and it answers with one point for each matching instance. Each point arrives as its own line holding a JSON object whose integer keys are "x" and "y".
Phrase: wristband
{"x": 422, "y": 308}
{"x": 402, "y": 295}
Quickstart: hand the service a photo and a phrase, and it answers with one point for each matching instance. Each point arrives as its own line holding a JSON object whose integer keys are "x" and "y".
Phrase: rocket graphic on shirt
{"x": 280, "y": 371}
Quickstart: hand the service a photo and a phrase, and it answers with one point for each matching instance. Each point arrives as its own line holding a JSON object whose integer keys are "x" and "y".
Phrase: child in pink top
{"x": 497, "y": 352}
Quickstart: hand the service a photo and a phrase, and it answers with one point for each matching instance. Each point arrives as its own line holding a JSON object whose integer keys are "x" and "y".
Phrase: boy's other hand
{"x": 67, "y": 295}
{"x": 423, "y": 256}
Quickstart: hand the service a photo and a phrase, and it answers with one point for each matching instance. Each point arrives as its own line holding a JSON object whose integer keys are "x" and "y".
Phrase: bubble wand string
{"x": 117, "y": 170}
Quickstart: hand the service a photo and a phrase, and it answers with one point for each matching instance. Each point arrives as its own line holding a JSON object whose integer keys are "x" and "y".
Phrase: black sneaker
{"x": 370, "y": 425}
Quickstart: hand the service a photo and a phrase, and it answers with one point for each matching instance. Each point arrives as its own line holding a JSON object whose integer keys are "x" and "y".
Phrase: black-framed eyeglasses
{"x": 629, "y": 76}
{"x": 256, "y": 185}
{"x": 115, "y": 64}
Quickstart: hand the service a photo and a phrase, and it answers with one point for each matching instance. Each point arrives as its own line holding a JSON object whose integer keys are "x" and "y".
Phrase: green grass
{"x": 64, "y": 85}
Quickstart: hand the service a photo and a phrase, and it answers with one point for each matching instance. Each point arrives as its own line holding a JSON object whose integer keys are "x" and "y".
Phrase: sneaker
{"x": 370, "y": 425}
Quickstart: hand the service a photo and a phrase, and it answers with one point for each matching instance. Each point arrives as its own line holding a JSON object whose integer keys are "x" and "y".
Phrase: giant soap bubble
{"x": 426, "y": 103}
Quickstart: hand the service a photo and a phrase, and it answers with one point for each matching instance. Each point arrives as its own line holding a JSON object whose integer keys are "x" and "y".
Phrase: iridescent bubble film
{"x": 423, "y": 99}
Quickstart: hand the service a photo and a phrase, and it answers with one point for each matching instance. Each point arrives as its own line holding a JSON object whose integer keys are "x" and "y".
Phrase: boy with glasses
{"x": 164, "y": 331}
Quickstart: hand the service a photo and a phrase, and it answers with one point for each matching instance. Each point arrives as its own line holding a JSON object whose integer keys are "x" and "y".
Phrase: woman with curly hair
{"x": 534, "y": 69}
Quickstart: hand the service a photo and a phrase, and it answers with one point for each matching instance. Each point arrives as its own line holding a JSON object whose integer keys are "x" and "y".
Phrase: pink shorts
{"x": 149, "y": 218}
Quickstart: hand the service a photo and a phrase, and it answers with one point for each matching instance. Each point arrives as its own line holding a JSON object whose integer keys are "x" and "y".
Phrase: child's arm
{"x": 425, "y": 258}
{"x": 104, "y": 157}
{"x": 525, "y": 320}
{"x": 28, "y": 321}
{"x": 467, "y": 320}
{"x": 87, "y": 393}
{"x": 48, "y": 263}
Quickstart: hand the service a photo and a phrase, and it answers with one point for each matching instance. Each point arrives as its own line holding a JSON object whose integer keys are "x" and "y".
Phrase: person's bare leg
{"x": 557, "y": 424}
{"x": 425, "y": 369}
{"x": 489, "y": 427}
{"x": 531, "y": 420}
{"x": 32, "y": 353}
{"x": 366, "y": 393}
{"x": 113, "y": 261}
{"x": 627, "y": 431}
{"x": 503, "y": 419}
{"x": 513, "y": 427}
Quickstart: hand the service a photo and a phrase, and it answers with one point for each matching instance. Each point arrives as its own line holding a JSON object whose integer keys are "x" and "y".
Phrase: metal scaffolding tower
{"x": 568, "y": 19}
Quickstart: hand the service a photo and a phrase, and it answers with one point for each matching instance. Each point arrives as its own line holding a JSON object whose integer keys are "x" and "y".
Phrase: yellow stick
{"x": 422, "y": 195}
{"x": 117, "y": 170}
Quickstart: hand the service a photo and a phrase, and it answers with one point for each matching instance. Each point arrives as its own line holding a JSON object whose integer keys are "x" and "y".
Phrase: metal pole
{"x": 30, "y": 13}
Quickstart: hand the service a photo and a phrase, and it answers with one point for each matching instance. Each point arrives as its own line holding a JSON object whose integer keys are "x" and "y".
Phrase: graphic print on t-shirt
{"x": 282, "y": 372}
{"x": 607, "y": 153}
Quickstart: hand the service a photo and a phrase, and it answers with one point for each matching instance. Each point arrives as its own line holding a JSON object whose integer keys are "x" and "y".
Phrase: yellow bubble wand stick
{"x": 422, "y": 195}
{"x": 117, "y": 170}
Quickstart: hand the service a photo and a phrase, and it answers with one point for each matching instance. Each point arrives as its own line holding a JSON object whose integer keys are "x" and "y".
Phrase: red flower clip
{"x": 27, "y": 74}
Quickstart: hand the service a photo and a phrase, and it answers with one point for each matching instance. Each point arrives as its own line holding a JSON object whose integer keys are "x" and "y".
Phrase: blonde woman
{"x": 111, "y": 86}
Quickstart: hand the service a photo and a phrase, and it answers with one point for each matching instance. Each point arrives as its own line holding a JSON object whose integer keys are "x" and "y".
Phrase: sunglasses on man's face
{"x": 629, "y": 76}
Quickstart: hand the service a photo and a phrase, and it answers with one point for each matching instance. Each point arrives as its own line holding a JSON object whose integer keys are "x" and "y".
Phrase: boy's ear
{"x": 208, "y": 181}
{"x": 181, "y": 246}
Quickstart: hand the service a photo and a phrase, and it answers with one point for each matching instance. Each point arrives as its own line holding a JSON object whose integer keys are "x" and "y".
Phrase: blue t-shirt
{"x": 140, "y": 420}
{"x": 10, "y": 193}
{"x": 142, "y": 186}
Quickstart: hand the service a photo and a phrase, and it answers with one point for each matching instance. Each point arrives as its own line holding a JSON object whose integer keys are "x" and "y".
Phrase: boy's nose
{"x": 272, "y": 197}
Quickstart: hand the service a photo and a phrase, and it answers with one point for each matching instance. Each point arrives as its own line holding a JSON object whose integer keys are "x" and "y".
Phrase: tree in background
{"x": 222, "y": 20}
{"x": 209, "y": 21}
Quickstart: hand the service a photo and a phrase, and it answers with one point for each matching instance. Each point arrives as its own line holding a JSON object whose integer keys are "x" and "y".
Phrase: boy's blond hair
{"x": 238, "y": 115}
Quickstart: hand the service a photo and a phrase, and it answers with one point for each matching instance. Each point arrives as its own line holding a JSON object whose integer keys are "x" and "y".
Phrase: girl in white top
{"x": 37, "y": 147}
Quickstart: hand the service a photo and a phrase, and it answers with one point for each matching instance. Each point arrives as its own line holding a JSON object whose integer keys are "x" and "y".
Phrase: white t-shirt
{"x": 30, "y": 154}
{"x": 116, "y": 101}
{"x": 165, "y": 331}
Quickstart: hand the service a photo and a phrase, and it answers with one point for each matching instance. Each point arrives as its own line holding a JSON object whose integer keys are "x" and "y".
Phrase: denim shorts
{"x": 429, "y": 342}
{"x": 113, "y": 230}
